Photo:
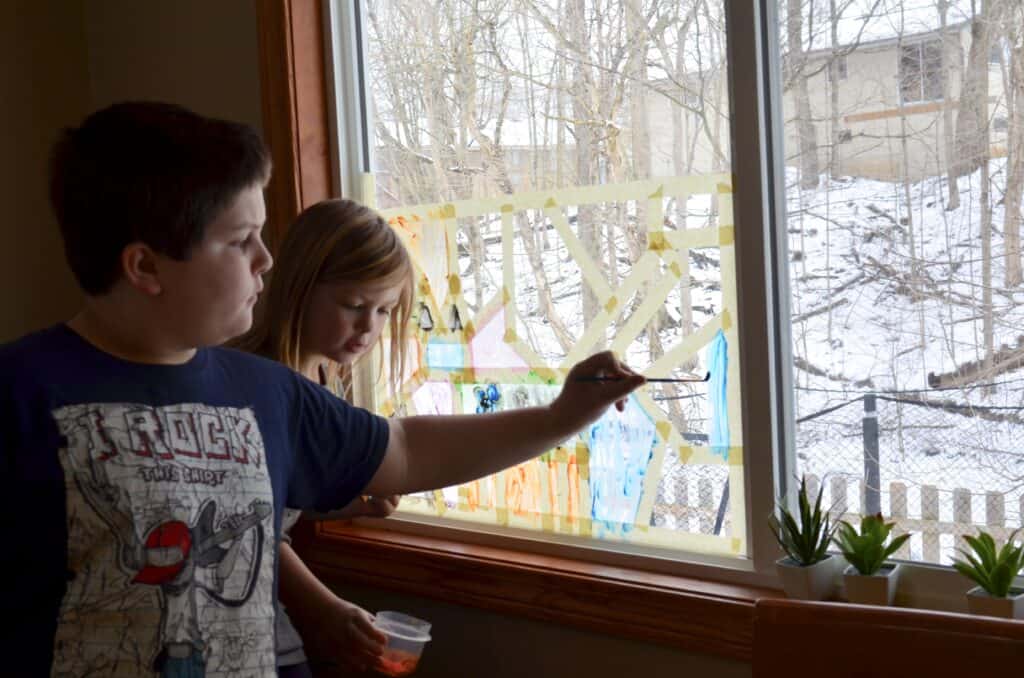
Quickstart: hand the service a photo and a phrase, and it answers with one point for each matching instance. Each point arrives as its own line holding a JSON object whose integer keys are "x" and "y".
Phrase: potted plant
{"x": 869, "y": 579}
{"x": 807, "y": 571}
{"x": 993, "y": 570}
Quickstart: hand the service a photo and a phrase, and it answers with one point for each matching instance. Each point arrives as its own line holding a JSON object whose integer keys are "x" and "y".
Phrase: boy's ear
{"x": 139, "y": 263}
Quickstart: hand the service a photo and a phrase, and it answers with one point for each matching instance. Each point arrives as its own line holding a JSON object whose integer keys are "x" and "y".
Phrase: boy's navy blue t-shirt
{"x": 144, "y": 503}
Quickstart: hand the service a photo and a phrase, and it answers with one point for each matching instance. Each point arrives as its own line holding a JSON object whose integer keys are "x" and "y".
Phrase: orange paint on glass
{"x": 552, "y": 486}
{"x": 473, "y": 495}
{"x": 572, "y": 503}
{"x": 522, "y": 489}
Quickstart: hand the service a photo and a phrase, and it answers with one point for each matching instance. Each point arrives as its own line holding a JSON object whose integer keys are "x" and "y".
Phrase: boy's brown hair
{"x": 146, "y": 172}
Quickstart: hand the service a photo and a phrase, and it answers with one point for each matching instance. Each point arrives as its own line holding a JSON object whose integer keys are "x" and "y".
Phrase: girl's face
{"x": 345, "y": 320}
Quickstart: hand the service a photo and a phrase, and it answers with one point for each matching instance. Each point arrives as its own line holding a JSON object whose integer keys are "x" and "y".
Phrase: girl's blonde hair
{"x": 330, "y": 242}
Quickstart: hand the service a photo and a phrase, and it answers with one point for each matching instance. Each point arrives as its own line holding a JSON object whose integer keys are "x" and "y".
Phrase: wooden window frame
{"x": 691, "y": 613}
{"x": 294, "y": 93}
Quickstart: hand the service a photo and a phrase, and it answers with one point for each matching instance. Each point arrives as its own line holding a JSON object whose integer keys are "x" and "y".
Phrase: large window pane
{"x": 560, "y": 172}
{"x": 905, "y": 271}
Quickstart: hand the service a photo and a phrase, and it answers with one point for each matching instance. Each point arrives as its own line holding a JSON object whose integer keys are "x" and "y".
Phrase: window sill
{"x": 689, "y": 613}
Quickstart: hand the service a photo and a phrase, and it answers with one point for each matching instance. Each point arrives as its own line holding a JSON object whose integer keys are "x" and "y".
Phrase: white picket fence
{"x": 937, "y": 519}
{"x": 924, "y": 522}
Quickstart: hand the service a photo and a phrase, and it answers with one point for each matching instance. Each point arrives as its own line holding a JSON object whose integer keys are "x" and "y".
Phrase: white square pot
{"x": 980, "y": 602}
{"x": 872, "y": 589}
{"x": 810, "y": 582}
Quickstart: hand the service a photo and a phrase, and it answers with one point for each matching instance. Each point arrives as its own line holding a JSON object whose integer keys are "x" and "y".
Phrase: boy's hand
{"x": 582, "y": 402}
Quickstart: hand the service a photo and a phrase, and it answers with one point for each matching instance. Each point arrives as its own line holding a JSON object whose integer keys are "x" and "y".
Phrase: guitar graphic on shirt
{"x": 169, "y": 546}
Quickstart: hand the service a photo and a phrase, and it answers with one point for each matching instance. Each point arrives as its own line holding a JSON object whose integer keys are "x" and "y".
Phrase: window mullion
{"x": 761, "y": 283}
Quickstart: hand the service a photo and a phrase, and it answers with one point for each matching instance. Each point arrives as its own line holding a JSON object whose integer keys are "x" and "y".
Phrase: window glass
{"x": 560, "y": 173}
{"x": 905, "y": 267}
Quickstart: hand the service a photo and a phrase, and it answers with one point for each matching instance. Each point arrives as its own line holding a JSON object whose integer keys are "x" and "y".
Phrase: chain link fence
{"x": 938, "y": 468}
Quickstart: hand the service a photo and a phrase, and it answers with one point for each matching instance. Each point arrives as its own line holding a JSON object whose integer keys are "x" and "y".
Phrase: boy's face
{"x": 208, "y": 298}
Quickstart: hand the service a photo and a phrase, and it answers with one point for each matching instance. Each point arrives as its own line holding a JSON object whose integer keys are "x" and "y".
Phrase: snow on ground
{"x": 857, "y": 247}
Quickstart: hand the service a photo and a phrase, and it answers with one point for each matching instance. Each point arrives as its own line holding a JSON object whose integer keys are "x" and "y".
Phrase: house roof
{"x": 879, "y": 24}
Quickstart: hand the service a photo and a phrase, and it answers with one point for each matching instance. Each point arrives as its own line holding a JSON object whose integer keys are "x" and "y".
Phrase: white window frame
{"x": 763, "y": 297}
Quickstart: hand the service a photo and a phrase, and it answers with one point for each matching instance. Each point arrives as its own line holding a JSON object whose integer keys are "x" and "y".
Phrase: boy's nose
{"x": 263, "y": 260}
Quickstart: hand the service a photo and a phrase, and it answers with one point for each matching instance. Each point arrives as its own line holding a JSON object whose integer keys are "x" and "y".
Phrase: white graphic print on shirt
{"x": 170, "y": 537}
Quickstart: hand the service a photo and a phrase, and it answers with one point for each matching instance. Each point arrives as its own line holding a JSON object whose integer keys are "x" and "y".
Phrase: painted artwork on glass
{"x": 510, "y": 295}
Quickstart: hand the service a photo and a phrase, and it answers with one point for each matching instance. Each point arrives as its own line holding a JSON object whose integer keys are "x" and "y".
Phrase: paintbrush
{"x": 658, "y": 380}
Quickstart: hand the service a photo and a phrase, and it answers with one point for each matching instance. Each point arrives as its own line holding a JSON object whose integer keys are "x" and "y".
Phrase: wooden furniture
{"x": 800, "y": 639}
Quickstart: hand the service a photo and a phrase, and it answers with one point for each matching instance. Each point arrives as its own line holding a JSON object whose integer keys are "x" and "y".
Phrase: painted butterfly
{"x": 487, "y": 398}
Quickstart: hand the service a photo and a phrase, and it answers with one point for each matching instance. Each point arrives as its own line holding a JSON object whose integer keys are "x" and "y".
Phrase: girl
{"x": 341, "y": 275}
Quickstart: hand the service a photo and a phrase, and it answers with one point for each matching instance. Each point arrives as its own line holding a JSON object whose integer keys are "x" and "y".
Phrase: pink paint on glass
{"x": 489, "y": 349}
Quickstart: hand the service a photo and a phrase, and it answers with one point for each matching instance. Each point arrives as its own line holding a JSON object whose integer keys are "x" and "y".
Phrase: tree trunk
{"x": 950, "y": 47}
{"x": 681, "y": 166}
{"x": 808, "y": 135}
{"x": 981, "y": 32}
{"x": 972, "y": 134}
{"x": 1015, "y": 151}
{"x": 583, "y": 115}
{"x": 833, "y": 93}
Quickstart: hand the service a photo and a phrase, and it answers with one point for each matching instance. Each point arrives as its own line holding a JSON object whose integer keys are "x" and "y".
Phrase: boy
{"x": 150, "y": 469}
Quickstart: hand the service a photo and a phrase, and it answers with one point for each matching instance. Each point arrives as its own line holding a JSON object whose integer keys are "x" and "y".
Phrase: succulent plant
{"x": 806, "y": 541}
{"x": 868, "y": 549}
{"x": 991, "y": 568}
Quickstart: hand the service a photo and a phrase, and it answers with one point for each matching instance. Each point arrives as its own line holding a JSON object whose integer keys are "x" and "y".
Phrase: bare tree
{"x": 796, "y": 79}
{"x": 1014, "y": 23}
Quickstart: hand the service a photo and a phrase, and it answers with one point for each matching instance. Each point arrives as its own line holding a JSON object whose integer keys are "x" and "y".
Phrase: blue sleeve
{"x": 337, "y": 450}
{"x": 33, "y": 525}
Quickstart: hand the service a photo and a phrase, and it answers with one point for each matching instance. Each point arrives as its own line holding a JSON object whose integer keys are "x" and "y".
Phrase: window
{"x": 839, "y": 68}
{"x": 906, "y": 381}
{"x": 558, "y": 201}
{"x": 920, "y": 71}
{"x": 995, "y": 53}
{"x": 874, "y": 383}
{"x": 594, "y": 589}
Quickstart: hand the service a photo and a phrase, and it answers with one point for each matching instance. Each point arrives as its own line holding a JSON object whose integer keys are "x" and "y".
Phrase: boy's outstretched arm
{"x": 426, "y": 453}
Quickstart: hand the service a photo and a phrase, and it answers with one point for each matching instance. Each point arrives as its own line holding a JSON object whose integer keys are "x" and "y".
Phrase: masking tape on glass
{"x": 720, "y": 183}
{"x": 689, "y": 346}
{"x": 591, "y": 273}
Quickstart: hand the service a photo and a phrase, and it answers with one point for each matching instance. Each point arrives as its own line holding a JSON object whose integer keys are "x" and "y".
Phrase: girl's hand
{"x": 370, "y": 507}
{"x": 582, "y": 402}
{"x": 379, "y": 507}
{"x": 349, "y": 637}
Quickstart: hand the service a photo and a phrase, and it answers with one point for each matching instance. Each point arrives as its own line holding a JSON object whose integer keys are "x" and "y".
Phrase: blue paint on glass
{"x": 445, "y": 355}
{"x": 487, "y": 398}
{"x": 621, "y": 446}
{"x": 718, "y": 365}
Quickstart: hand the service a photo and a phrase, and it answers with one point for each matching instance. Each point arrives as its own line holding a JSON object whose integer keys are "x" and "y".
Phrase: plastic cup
{"x": 406, "y": 637}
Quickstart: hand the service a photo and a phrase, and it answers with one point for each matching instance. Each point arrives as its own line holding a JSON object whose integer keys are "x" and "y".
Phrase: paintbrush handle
{"x": 662, "y": 380}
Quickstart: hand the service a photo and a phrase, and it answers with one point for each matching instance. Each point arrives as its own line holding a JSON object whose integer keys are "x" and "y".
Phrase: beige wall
{"x": 473, "y": 642}
{"x": 201, "y": 54}
{"x": 60, "y": 59}
{"x": 44, "y": 85}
